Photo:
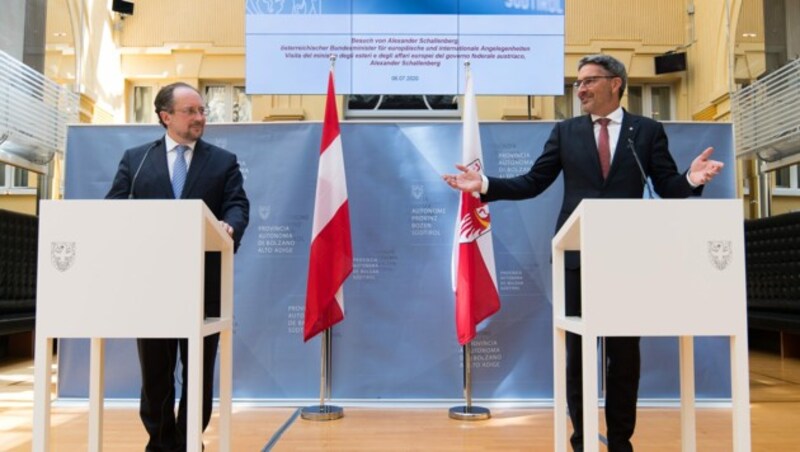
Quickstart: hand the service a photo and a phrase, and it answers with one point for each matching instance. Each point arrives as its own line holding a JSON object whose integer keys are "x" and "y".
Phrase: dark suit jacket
{"x": 213, "y": 176}
{"x": 572, "y": 149}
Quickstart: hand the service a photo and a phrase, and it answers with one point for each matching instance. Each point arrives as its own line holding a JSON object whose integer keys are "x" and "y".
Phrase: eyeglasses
{"x": 589, "y": 81}
{"x": 192, "y": 111}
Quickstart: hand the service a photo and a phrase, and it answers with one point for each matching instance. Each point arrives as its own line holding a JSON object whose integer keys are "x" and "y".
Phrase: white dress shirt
{"x": 172, "y": 153}
{"x": 614, "y": 126}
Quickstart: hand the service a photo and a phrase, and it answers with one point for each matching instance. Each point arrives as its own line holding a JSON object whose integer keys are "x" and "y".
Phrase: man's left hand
{"x": 704, "y": 169}
{"x": 226, "y": 227}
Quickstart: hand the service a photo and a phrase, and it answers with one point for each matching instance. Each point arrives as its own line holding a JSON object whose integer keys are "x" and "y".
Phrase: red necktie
{"x": 603, "y": 148}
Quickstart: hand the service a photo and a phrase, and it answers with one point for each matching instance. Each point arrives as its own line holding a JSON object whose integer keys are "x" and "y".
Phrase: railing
{"x": 34, "y": 113}
{"x": 766, "y": 115}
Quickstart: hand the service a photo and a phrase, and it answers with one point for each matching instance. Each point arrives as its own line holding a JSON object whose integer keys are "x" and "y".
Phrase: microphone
{"x": 641, "y": 169}
{"x": 136, "y": 174}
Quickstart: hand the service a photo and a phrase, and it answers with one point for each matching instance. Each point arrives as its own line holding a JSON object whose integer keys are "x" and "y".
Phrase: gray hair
{"x": 612, "y": 65}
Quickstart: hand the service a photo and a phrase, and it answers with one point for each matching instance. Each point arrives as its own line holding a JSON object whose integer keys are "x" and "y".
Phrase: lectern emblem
{"x": 62, "y": 255}
{"x": 719, "y": 251}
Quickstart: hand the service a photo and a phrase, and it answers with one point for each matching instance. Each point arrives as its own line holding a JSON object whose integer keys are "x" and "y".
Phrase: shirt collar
{"x": 170, "y": 144}
{"x": 615, "y": 116}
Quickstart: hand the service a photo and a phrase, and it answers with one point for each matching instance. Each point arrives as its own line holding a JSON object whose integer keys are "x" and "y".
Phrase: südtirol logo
{"x": 475, "y": 218}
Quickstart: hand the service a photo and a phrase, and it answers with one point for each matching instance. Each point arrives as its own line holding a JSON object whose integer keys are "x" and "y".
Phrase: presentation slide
{"x": 514, "y": 47}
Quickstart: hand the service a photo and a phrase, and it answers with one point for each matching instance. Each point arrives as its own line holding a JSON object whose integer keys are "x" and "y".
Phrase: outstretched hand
{"x": 468, "y": 180}
{"x": 704, "y": 169}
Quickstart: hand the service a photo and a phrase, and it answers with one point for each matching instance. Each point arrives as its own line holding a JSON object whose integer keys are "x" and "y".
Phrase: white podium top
{"x": 124, "y": 268}
{"x": 659, "y": 267}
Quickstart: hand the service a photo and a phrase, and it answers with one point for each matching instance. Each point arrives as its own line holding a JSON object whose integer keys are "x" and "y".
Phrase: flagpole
{"x": 467, "y": 351}
{"x": 323, "y": 412}
{"x": 323, "y": 368}
{"x": 468, "y": 412}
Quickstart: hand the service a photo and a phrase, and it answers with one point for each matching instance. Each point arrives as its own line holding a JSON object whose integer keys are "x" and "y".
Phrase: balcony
{"x": 34, "y": 113}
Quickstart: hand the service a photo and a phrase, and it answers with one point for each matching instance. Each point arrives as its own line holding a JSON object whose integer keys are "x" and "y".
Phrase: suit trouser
{"x": 157, "y": 359}
{"x": 622, "y": 378}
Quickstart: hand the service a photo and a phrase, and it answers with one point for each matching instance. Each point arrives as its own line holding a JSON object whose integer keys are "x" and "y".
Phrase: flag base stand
{"x": 322, "y": 413}
{"x": 470, "y": 413}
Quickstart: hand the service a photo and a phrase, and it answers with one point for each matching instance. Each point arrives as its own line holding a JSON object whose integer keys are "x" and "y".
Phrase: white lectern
{"x": 105, "y": 268}
{"x": 654, "y": 268}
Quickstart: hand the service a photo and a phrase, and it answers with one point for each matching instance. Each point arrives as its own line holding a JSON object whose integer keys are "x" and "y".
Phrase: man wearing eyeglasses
{"x": 180, "y": 165}
{"x": 595, "y": 154}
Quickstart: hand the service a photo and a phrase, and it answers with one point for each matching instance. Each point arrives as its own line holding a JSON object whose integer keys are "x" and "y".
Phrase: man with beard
{"x": 593, "y": 154}
{"x": 180, "y": 165}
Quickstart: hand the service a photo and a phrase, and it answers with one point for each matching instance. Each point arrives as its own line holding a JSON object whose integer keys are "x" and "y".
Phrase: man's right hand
{"x": 468, "y": 180}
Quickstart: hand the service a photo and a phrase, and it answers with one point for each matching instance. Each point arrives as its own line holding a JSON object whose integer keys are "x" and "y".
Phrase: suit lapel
{"x": 627, "y": 132}
{"x": 159, "y": 168}
{"x": 200, "y": 157}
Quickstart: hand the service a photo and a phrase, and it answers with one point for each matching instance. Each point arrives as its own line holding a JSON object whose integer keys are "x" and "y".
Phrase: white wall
{"x": 12, "y": 27}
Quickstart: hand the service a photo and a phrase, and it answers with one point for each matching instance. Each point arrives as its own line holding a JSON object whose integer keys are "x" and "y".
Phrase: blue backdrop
{"x": 398, "y": 338}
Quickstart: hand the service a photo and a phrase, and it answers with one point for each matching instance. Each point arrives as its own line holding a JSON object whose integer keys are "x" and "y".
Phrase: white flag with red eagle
{"x": 474, "y": 278}
{"x": 331, "y": 260}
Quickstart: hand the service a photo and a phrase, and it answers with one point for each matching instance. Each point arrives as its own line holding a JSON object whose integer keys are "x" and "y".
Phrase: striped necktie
{"x": 179, "y": 170}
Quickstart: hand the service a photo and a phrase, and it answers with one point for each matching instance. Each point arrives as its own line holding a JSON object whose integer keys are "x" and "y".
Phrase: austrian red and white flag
{"x": 331, "y": 260}
{"x": 474, "y": 278}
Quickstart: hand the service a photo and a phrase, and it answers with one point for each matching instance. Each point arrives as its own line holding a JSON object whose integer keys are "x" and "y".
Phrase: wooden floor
{"x": 775, "y": 413}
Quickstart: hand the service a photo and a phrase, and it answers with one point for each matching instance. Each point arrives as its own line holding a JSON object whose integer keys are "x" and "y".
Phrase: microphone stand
{"x": 641, "y": 169}
{"x": 139, "y": 168}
